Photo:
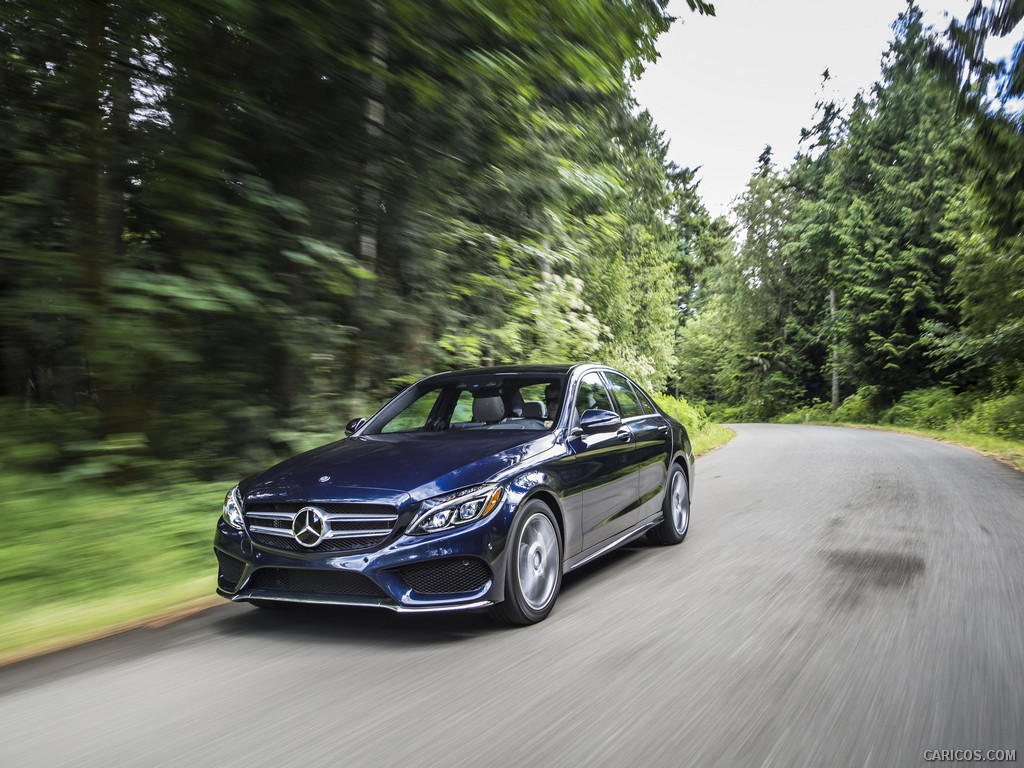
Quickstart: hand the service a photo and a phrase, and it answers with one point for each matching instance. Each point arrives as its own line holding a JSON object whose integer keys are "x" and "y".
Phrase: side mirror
{"x": 597, "y": 420}
{"x": 354, "y": 425}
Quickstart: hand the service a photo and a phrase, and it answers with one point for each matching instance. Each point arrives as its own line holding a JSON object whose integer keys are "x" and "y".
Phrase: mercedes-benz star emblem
{"x": 309, "y": 526}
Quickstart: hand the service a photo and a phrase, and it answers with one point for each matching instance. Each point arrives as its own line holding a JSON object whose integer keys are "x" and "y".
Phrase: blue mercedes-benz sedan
{"x": 469, "y": 489}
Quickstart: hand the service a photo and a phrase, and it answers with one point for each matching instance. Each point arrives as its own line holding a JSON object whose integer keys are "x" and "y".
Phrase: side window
{"x": 645, "y": 400}
{"x": 592, "y": 394}
{"x": 629, "y": 403}
{"x": 463, "y": 408}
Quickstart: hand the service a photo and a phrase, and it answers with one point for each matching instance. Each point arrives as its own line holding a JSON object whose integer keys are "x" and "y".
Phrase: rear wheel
{"x": 533, "y": 573}
{"x": 675, "y": 510}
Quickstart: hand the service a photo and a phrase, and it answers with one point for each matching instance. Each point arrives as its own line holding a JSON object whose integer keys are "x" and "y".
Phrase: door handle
{"x": 663, "y": 428}
{"x": 624, "y": 435}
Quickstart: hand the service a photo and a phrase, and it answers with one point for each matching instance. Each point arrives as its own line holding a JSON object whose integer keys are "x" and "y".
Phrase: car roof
{"x": 551, "y": 369}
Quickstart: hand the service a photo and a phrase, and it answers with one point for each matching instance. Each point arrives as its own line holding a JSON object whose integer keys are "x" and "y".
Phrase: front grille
{"x": 351, "y": 527}
{"x": 229, "y": 571}
{"x": 451, "y": 575}
{"x": 318, "y": 582}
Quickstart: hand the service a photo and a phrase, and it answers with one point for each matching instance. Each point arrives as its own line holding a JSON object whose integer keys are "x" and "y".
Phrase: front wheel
{"x": 675, "y": 510}
{"x": 533, "y": 573}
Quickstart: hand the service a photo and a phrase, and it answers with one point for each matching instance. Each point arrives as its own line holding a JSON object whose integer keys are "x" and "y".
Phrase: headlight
{"x": 454, "y": 509}
{"x": 233, "y": 509}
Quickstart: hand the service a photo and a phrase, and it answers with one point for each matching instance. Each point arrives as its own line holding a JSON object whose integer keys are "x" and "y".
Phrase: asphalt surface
{"x": 844, "y": 598}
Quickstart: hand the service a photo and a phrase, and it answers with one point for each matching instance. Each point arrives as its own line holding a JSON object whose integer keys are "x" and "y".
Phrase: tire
{"x": 675, "y": 510}
{"x": 533, "y": 573}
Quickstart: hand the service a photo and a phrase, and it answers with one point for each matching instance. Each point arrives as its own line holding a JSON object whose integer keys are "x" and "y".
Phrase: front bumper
{"x": 461, "y": 569}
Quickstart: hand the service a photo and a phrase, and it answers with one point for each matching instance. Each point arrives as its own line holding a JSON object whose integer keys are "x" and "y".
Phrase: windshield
{"x": 496, "y": 402}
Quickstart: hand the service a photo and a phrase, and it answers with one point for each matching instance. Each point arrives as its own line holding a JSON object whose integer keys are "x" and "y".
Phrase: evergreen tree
{"x": 894, "y": 175}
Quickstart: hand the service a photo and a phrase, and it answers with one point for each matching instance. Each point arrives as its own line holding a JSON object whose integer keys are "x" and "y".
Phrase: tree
{"x": 985, "y": 223}
{"x": 895, "y": 175}
{"x": 252, "y": 219}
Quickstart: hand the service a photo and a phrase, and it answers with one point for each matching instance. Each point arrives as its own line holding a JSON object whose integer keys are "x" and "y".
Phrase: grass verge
{"x": 81, "y": 561}
{"x": 714, "y": 436}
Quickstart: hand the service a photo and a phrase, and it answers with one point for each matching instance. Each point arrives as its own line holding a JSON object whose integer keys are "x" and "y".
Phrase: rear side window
{"x": 645, "y": 400}
{"x": 628, "y": 401}
{"x": 592, "y": 394}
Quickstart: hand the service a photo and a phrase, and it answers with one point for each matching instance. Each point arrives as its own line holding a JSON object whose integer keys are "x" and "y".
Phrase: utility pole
{"x": 835, "y": 350}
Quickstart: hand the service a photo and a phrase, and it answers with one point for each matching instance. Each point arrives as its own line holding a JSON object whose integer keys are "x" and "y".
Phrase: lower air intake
{"x": 310, "y": 581}
{"x": 449, "y": 576}
{"x": 229, "y": 571}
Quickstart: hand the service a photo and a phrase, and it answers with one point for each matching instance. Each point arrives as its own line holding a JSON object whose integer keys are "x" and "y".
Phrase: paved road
{"x": 845, "y": 597}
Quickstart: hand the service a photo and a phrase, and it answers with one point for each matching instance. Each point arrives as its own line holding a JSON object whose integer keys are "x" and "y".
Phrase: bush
{"x": 859, "y": 407}
{"x": 693, "y": 418}
{"x": 817, "y": 412}
{"x": 734, "y": 414}
{"x": 704, "y": 433}
{"x": 36, "y": 438}
{"x": 934, "y": 408}
{"x": 1003, "y": 416}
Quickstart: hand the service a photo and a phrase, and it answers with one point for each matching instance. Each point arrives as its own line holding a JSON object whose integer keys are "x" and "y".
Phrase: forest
{"x": 228, "y": 227}
{"x": 879, "y": 275}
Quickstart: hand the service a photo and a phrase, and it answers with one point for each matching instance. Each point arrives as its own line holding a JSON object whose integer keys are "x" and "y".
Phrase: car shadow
{"x": 595, "y": 570}
{"x": 383, "y": 628}
{"x": 357, "y": 626}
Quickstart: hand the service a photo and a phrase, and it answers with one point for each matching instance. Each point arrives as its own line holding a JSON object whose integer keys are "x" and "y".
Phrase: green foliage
{"x": 818, "y": 412}
{"x": 987, "y": 347}
{"x": 893, "y": 177}
{"x": 691, "y": 417}
{"x": 859, "y": 407}
{"x": 739, "y": 349}
{"x": 705, "y": 434}
{"x": 884, "y": 263}
{"x": 938, "y": 409}
{"x": 227, "y": 227}
{"x": 1002, "y": 416}
{"x": 932, "y": 408}
{"x": 104, "y": 548}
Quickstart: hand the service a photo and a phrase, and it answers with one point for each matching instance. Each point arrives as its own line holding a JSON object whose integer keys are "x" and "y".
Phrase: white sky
{"x": 727, "y": 85}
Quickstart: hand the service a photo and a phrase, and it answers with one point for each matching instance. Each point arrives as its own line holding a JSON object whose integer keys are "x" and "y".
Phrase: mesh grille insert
{"x": 316, "y": 582}
{"x": 330, "y": 545}
{"x": 448, "y": 576}
{"x": 229, "y": 571}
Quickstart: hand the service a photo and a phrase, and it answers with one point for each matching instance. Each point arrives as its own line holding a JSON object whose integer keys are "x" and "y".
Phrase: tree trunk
{"x": 374, "y": 116}
{"x": 89, "y": 207}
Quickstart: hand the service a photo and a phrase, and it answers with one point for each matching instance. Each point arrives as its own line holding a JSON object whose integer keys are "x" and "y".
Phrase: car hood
{"x": 397, "y": 467}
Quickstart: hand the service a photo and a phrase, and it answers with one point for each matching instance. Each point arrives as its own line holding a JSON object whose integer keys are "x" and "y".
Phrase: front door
{"x": 607, "y": 467}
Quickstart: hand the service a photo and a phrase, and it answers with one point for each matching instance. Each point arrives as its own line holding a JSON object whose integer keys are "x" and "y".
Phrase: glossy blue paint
{"x": 422, "y": 465}
{"x": 602, "y": 487}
